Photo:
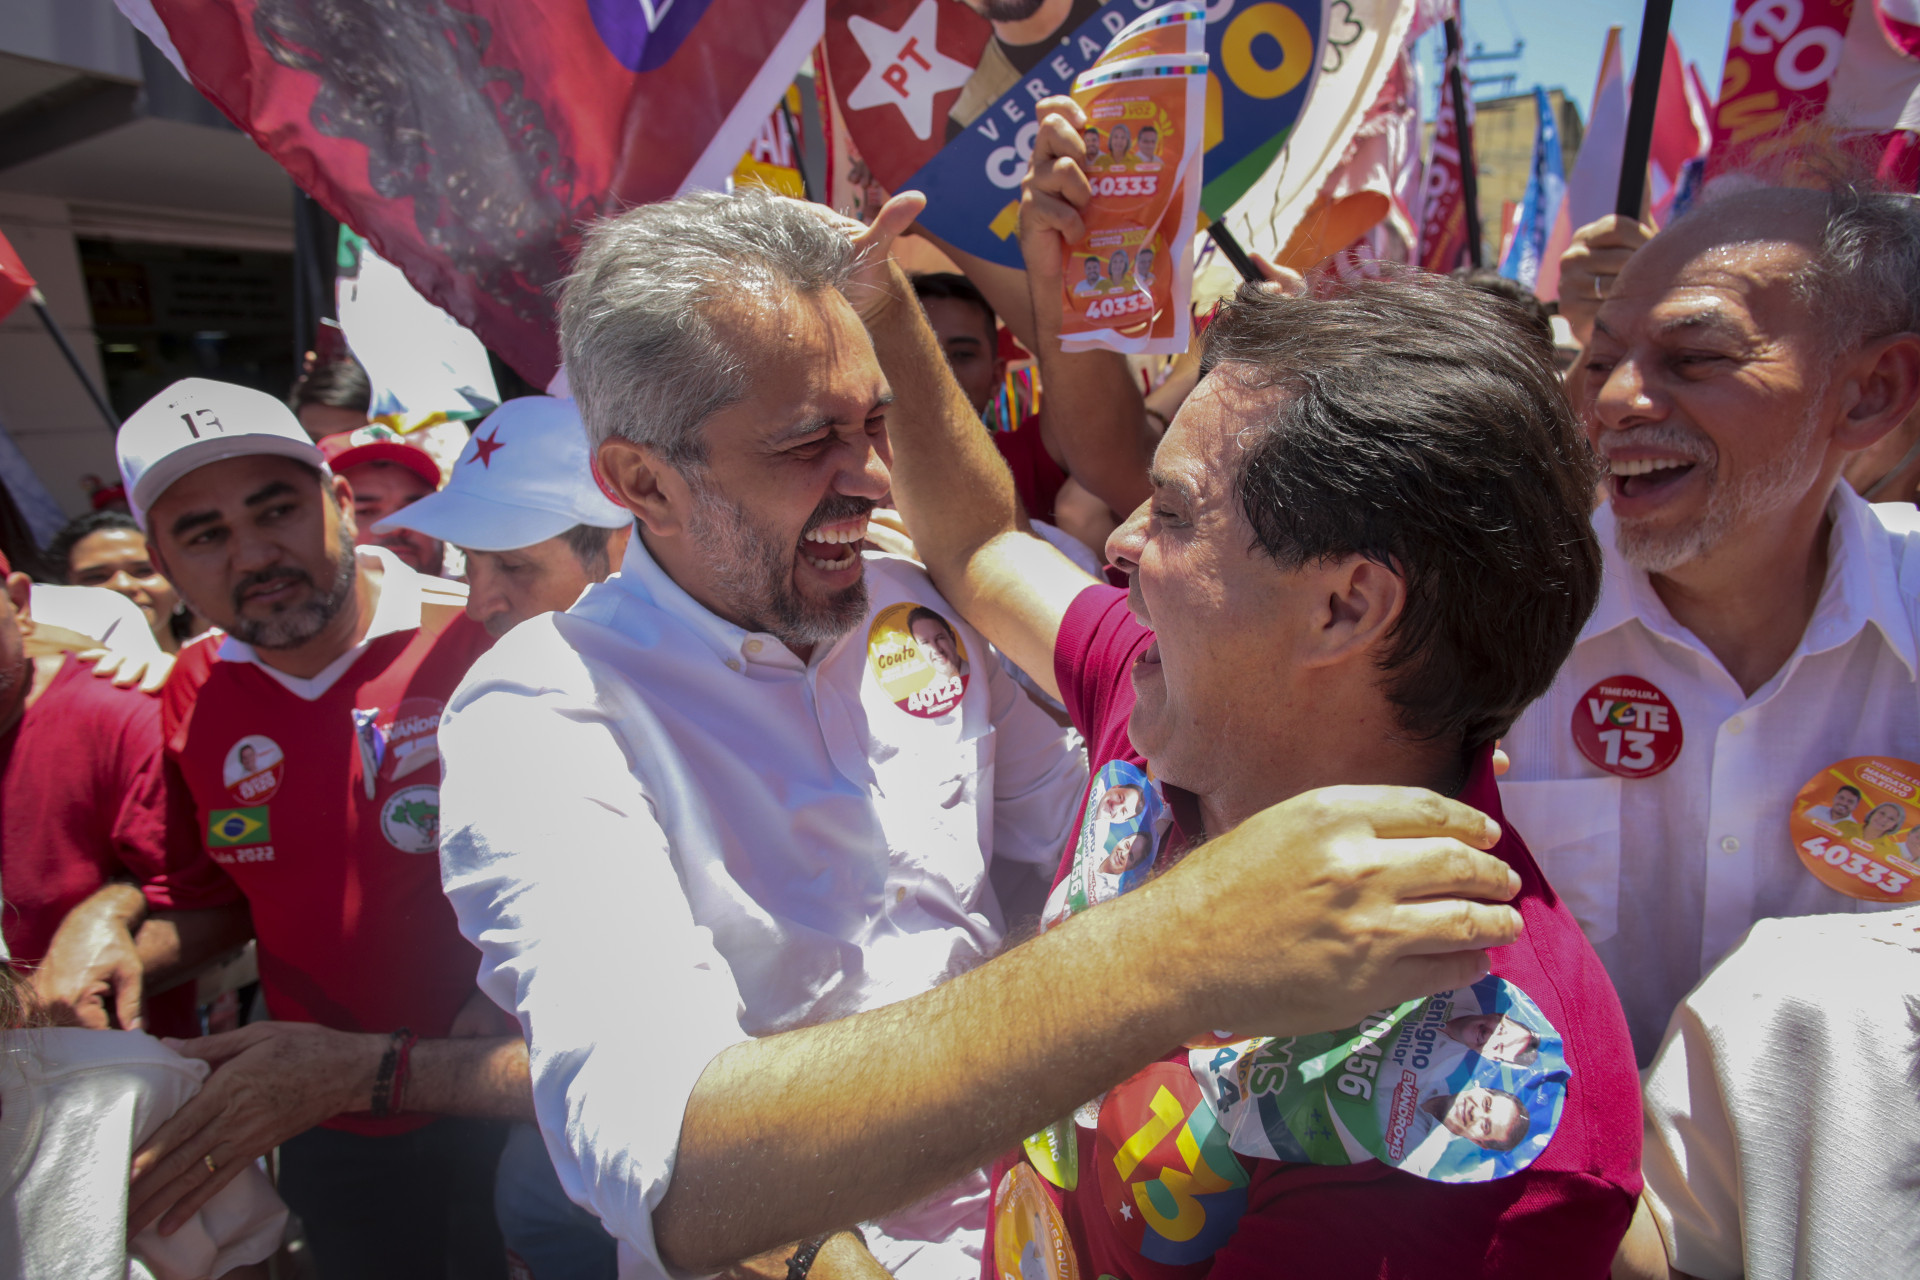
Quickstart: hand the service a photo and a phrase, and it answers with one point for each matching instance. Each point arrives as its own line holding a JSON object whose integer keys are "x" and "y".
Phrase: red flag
{"x": 15, "y": 281}
{"x": 1810, "y": 68}
{"x": 1443, "y": 206}
{"x": 468, "y": 142}
{"x": 1681, "y": 131}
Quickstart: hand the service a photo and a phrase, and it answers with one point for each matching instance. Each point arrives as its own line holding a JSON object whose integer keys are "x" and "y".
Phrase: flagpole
{"x": 1235, "y": 254}
{"x": 1646, "y": 96}
{"x": 73, "y": 358}
{"x": 1463, "y": 136}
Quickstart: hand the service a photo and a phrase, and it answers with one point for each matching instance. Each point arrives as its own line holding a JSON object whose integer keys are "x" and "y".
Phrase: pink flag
{"x": 1596, "y": 174}
{"x": 1681, "y": 131}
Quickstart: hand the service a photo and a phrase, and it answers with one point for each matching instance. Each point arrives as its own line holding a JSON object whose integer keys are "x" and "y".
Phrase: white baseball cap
{"x": 524, "y": 476}
{"x": 196, "y": 421}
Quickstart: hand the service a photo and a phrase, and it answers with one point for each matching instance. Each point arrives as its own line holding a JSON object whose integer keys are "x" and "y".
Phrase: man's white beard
{"x": 1763, "y": 492}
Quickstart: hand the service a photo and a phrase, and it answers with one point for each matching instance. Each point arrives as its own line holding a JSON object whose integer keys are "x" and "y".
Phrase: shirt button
{"x": 734, "y": 663}
{"x": 1736, "y": 724}
{"x": 900, "y": 894}
{"x": 753, "y": 646}
{"x": 1729, "y": 844}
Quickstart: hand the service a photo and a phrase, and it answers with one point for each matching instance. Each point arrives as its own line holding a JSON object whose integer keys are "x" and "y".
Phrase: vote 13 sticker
{"x": 919, "y": 659}
{"x": 1628, "y": 727}
{"x": 1856, "y": 826}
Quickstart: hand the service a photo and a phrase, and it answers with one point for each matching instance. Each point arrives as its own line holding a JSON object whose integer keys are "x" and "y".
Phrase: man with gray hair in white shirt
{"x": 729, "y": 833}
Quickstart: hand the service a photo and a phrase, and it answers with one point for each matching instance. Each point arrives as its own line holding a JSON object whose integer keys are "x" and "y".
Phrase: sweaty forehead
{"x": 1741, "y": 285}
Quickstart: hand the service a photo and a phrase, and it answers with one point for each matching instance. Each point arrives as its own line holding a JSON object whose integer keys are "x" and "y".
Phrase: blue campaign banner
{"x": 900, "y": 71}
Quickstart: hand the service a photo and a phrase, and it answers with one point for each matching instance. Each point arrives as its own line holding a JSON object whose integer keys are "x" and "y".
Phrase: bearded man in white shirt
{"x": 725, "y": 798}
{"x": 1758, "y": 623}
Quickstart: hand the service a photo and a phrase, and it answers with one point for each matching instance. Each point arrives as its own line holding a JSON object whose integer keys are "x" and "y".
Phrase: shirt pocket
{"x": 1572, "y": 825}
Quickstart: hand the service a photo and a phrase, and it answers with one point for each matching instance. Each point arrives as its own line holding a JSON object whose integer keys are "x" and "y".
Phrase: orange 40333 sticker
{"x": 1856, "y": 827}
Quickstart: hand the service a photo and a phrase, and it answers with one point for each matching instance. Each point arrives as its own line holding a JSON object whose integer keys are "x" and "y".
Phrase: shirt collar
{"x": 642, "y": 577}
{"x": 1862, "y": 586}
{"x": 398, "y": 609}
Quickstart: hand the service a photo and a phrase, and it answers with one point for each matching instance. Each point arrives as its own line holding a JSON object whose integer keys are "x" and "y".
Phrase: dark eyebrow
{"x": 807, "y": 426}
{"x": 266, "y": 493}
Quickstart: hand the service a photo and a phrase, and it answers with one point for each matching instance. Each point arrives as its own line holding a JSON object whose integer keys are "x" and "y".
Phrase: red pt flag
{"x": 1443, "y": 204}
{"x": 469, "y": 141}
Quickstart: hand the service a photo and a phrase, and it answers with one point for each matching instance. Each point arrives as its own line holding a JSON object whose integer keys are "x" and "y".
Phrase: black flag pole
{"x": 94, "y": 393}
{"x": 1646, "y": 96}
{"x": 1463, "y": 135}
{"x": 1235, "y": 254}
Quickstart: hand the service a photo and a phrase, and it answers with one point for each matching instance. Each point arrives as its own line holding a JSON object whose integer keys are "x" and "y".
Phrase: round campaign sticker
{"x": 1121, "y": 834}
{"x": 253, "y": 769}
{"x": 1856, "y": 826}
{"x": 1029, "y": 1239}
{"x": 1172, "y": 1188}
{"x": 1626, "y": 726}
{"x": 1055, "y": 1152}
{"x": 1467, "y": 1086}
{"x": 410, "y": 819}
{"x": 919, "y": 659}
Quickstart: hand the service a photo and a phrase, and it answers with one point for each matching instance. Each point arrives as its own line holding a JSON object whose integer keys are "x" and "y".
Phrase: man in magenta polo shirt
{"x": 1367, "y": 550}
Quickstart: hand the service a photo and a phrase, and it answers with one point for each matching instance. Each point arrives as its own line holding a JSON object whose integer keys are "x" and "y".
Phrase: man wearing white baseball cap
{"x": 306, "y": 745}
{"x": 522, "y": 503}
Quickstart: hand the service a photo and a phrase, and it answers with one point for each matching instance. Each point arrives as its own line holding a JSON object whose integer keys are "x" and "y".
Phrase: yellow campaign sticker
{"x": 1856, "y": 827}
{"x": 919, "y": 659}
{"x": 1055, "y": 1152}
{"x": 1029, "y": 1237}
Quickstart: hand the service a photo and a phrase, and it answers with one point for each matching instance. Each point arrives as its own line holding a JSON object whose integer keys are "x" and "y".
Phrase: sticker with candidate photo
{"x": 919, "y": 659}
{"x": 1030, "y": 1239}
{"x": 254, "y": 769}
{"x": 1121, "y": 833}
{"x": 1466, "y": 1086}
{"x": 1856, "y": 826}
{"x": 1626, "y": 726}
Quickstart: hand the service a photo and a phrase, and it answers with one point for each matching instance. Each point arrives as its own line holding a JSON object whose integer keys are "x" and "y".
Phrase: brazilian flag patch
{"x": 238, "y": 826}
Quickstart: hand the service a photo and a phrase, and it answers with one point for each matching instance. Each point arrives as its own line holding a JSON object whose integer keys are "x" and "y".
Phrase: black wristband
{"x": 802, "y": 1260}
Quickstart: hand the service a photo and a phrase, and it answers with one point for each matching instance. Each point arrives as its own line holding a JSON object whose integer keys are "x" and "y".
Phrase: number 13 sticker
{"x": 1626, "y": 726}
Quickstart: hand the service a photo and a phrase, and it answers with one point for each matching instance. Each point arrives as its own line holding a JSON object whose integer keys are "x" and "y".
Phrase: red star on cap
{"x": 486, "y": 446}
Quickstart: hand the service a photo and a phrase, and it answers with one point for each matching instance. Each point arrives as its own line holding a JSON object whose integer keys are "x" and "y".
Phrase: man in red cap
{"x": 386, "y": 472}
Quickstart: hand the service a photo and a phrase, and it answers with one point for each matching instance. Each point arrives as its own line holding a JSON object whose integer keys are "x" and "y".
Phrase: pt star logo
{"x": 904, "y": 68}
{"x": 485, "y": 447}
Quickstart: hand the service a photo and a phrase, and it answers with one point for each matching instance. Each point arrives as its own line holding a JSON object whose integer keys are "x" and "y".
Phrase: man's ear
{"x": 1363, "y": 599}
{"x": 1882, "y": 389}
{"x": 342, "y": 494}
{"x": 636, "y": 477}
{"x": 20, "y": 592}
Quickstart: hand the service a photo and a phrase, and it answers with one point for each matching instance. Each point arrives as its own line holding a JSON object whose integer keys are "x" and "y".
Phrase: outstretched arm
{"x": 1331, "y": 897}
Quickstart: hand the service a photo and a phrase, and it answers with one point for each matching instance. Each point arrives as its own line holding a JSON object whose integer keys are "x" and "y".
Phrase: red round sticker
{"x": 1627, "y": 726}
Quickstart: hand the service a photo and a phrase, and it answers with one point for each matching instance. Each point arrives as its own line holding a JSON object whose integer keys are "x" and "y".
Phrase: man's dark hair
{"x": 340, "y": 383}
{"x": 1855, "y": 790}
{"x": 1420, "y": 431}
{"x": 921, "y": 613}
{"x": 60, "y": 550}
{"x": 951, "y": 284}
{"x": 1533, "y": 312}
{"x": 588, "y": 542}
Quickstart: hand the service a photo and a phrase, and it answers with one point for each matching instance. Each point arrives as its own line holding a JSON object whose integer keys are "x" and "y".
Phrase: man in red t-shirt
{"x": 1366, "y": 550}
{"x": 304, "y": 746}
{"x": 83, "y": 803}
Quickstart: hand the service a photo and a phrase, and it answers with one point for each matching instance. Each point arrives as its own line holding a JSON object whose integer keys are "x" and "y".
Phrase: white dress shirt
{"x": 666, "y": 834}
{"x": 1667, "y": 873}
{"x": 1783, "y": 1117}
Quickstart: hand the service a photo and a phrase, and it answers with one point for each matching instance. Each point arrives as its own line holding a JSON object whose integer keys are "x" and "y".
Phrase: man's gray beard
{"x": 752, "y": 573}
{"x": 301, "y": 623}
{"x": 1760, "y": 493}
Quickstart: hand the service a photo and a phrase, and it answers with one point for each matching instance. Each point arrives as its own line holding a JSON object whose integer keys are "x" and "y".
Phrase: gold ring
{"x": 208, "y": 1158}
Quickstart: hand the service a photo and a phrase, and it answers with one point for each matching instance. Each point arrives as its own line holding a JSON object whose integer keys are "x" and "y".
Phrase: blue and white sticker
{"x": 1466, "y": 1086}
